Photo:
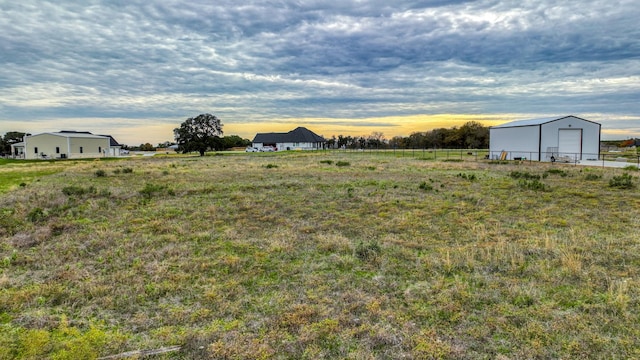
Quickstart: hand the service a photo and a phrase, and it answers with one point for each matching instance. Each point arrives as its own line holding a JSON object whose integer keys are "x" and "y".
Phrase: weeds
{"x": 534, "y": 184}
{"x": 151, "y": 190}
{"x": 36, "y": 215}
{"x": 100, "y": 173}
{"x": 342, "y": 163}
{"x": 368, "y": 251}
{"x": 560, "y": 172}
{"x": 524, "y": 175}
{"x": 424, "y": 186}
{"x": 328, "y": 162}
{"x": 470, "y": 177}
{"x": 74, "y": 190}
{"x": 624, "y": 181}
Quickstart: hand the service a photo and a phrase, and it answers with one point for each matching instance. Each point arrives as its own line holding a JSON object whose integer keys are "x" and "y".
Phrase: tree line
{"x": 471, "y": 135}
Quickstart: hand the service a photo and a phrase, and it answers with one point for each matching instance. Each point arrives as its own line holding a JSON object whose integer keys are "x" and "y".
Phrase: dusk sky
{"x": 137, "y": 69}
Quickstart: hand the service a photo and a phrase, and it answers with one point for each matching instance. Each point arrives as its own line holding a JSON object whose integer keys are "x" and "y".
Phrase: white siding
{"x": 590, "y": 137}
{"x": 522, "y": 141}
{"x": 577, "y": 137}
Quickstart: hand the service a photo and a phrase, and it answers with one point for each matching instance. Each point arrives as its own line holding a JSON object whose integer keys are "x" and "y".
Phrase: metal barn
{"x": 567, "y": 139}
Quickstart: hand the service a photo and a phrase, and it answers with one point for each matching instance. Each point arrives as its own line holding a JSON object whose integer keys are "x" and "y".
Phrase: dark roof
{"x": 112, "y": 141}
{"x": 299, "y": 134}
{"x": 74, "y": 132}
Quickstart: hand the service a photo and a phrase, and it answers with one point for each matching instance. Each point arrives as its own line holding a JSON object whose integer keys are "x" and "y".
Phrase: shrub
{"x": 592, "y": 177}
{"x": 271, "y": 166}
{"x": 78, "y": 190}
{"x": 329, "y": 162}
{"x": 524, "y": 175}
{"x": 452, "y": 160}
{"x": 343, "y": 163}
{"x": 127, "y": 170}
{"x": 534, "y": 184}
{"x": 424, "y": 186}
{"x": 36, "y": 215}
{"x": 100, "y": 173}
{"x": 369, "y": 251}
{"x": 150, "y": 190}
{"x": 624, "y": 181}
{"x": 470, "y": 177}
{"x": 631, "y": 168}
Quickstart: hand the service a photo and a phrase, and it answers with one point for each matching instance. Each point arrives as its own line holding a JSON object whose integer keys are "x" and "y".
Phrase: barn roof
{"x": 533, "y": 122}
{"x": 299, "y": 134}
{"x": 82, "y": 134}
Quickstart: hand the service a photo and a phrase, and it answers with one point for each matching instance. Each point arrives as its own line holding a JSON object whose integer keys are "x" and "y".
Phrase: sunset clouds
{"x": 120, "y": 66}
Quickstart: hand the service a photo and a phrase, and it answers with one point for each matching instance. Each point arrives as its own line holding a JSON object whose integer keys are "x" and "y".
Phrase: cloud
{"x": 261, "y": 61}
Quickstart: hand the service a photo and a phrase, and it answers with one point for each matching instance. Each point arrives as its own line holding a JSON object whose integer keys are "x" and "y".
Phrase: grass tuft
{"x": 624, "y": 181}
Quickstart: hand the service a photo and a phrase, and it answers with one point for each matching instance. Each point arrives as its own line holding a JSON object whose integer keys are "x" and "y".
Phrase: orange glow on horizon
{"x": 390, "y": 126}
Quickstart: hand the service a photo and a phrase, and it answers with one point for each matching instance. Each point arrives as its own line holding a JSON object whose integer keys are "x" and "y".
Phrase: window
{"x": 35, "y": 149}
{"x": 99, "y": 149}
{"x": 81, "y": 150}
{"x": 57, "y": 150}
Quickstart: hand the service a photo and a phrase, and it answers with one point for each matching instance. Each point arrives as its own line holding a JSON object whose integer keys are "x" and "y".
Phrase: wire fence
{"x": 486, "y": 155}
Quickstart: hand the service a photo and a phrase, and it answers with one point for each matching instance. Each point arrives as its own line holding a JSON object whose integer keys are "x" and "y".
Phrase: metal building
{"x": 567, "y": 139}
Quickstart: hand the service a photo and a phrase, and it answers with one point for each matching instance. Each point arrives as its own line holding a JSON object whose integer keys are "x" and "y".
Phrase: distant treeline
{"x": 471, "y": 135}
{"x": 221, "y": 143}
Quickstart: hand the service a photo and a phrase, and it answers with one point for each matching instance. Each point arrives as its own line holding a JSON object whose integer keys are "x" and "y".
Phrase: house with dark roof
{"x": 298, "y": 139}
{"x": 66, "y": 145}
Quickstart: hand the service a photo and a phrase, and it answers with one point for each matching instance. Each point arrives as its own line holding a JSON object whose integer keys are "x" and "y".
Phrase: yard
{"x": 319, "y": 255}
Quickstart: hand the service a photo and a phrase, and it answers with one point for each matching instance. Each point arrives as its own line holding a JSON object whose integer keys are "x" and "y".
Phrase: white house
{"x": 298, "y": 139}
{"x": 567, "y": 138}
{"x": 66, "y": 144}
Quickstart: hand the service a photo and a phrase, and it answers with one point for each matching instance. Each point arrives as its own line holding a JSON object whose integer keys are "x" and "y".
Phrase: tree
{"x": 200, "y": 133}
{"x": 231, "y": 141}
{"x": 147, "y": 147}
{"x": 11, "y": 137}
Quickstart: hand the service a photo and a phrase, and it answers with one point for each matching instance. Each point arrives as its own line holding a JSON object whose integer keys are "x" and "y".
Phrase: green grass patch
{"x": 14, "y": 177}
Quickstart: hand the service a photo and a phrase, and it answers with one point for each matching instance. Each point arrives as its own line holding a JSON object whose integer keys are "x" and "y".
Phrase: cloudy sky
{"x": 137, "y": 68}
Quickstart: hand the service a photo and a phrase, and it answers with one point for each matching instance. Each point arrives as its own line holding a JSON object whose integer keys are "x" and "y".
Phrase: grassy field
{"x": 318, "y": 255}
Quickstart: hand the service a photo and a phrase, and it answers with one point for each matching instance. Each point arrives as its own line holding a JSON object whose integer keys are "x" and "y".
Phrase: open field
{"x": 318, "y": 255}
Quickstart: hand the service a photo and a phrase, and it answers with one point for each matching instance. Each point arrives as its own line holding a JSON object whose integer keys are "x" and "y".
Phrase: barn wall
{"x": 46, "y": 145}
{"x": 91, "y": 147}
{"x": 521, "y": 141}
{"x": 590, "y": 137}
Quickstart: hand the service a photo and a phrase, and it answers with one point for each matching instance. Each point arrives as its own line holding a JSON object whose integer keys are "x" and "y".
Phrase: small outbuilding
{"x": 567, "y": 138}
{"x": 298, "y": 139}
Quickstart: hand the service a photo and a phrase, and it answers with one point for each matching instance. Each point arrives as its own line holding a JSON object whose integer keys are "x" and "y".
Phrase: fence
{"x": 602, "y": 159}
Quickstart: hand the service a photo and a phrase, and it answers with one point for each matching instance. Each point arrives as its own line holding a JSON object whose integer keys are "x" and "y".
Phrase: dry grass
{"x": 231, "y": 258}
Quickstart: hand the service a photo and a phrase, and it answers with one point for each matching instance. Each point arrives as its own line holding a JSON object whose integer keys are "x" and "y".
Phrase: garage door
{"x": 570, "y": 143}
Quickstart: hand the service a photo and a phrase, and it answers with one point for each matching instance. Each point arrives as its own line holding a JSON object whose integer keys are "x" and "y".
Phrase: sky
{"x": 136, "y": 69}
